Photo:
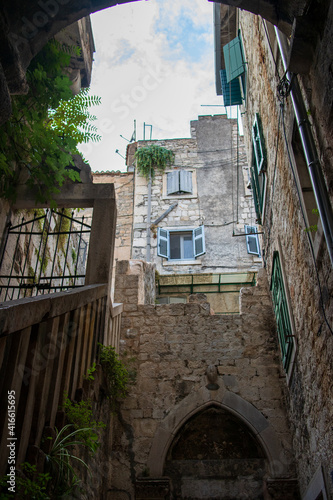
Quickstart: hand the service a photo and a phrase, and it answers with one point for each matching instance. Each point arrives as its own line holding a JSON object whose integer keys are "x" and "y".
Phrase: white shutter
{"x": 252, "y": 240}
{"x": 163, "y": 243}
{"x": 185, "y": 181}
{"x": 199, "y": 241}
{"x": 173, "y": 182}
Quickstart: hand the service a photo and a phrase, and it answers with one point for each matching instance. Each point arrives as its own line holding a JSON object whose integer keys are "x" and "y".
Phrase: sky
{"x": 154, "y": 63}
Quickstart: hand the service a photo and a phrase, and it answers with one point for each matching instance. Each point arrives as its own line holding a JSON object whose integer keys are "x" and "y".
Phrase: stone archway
{"x": 278, "y": 463}
{"x": 26, "y": 26}
{"x": 215, "y": 455}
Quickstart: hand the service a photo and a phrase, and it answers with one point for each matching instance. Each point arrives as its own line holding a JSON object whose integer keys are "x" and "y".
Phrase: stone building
{"x": 287, "y": 130}
{"x": 196, "y": 240}
{"x": 195, "y": 368}
{"x": 205, "y": 416}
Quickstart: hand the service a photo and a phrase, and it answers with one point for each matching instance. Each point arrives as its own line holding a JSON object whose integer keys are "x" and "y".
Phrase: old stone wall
{"x": 215, "y": 153}
{"x": 309, "y": 386}
{"x": 188, "y": 361}
{"x": 123, "y": 182}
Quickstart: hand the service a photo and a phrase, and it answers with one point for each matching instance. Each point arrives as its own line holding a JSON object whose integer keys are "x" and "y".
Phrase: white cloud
{"x": 150, "y": 68}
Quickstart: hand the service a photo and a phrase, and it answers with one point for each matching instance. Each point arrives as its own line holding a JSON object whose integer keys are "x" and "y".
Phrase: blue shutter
{"x": 185, "y": 181}
{"x": 199, "y": 241}
{"x": 234, "y": 59}
{"x": 163, "y": 243}
{"x": 173, "y": 182}
{"x": 252, "y": 240}
{"x": 232, "y": 95}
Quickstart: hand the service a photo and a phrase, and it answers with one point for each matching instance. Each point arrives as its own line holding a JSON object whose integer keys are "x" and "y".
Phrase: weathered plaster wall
{"x": 310, "y": 387}
{"x": 212, "y": 152}
{"x": 173, "y": 345}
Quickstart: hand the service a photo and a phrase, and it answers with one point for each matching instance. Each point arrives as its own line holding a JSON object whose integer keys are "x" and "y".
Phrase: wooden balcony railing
{"x": 48, "y": 342}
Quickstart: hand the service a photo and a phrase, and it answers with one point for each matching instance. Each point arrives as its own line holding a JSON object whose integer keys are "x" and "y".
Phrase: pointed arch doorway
{"x": 214, "y": 455}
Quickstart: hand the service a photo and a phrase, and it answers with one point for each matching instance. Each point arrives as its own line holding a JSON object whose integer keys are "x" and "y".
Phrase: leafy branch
{"x": 151, "y": 158}
{"x": 47, "y": 124}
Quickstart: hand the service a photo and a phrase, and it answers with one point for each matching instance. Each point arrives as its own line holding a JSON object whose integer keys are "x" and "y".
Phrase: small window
{"x": 181, "y": 244}
{"x": 258, "y": 166}
{"x": 252, "y": 240}
{"x": 285, "y": 334}
{"x": 179, "y": 181}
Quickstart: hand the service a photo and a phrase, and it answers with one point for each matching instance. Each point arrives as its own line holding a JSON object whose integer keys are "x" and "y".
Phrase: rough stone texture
{"x": 124, "y": 185}
{"x": 310, "y": 385}
{"x": 215, "y": 153}
{"x": 135, "y": 283}
{"x": 172, "y": 347}
{"x": 212, "y": 153}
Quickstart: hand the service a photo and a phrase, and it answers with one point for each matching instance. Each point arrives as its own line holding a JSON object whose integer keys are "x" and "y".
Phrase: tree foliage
{"x": 46, "y": 126}
{"x": 151, "y": 158}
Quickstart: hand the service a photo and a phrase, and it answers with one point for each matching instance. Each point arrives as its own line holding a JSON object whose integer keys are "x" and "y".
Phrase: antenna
{"x": 124, "y": 138}
{"x": 117, "y": 151}
{"x": 144, "y": 130}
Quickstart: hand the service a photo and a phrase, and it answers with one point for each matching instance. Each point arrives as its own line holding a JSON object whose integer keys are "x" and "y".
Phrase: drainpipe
{"x": 148, "y": 219}
{"x": 310, "y": 152}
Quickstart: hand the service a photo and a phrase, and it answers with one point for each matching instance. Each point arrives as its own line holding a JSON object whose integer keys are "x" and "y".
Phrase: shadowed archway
{"x": 215, "y": 455}
{"x": 278, "y": 462}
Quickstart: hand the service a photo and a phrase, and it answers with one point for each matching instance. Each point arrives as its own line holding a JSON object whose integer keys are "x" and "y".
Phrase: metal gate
{"x": 44, "y": 254}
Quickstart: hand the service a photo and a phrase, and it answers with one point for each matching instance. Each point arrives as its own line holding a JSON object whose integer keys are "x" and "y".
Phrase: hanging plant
{"x": 152, "y": 158}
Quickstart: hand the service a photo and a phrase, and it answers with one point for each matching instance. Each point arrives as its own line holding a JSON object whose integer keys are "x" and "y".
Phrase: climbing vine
{"x": 151, "y": 158}
{"x": 46, "y": 126}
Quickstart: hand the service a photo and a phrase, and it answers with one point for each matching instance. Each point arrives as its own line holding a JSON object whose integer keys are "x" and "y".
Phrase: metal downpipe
{"x": 310, "y": 151}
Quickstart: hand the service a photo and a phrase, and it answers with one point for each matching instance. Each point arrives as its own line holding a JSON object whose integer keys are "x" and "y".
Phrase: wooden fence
{"x": 48, "y": 342}
{"x": 42, "y": 360}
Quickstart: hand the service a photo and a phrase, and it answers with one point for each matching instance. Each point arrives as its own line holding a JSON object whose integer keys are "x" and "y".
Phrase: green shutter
{"x": 234, "y": 59}
{"x": 256, "y": 196}
{"x": 232, "y": 95}
{"x": 281, "y": 313}
{"x": 258, "y": 145}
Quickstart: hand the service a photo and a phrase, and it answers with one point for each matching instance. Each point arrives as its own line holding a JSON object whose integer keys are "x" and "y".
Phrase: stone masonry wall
{"x": 310, "y": 385}
{"x": 172, "y": 346}
{"x": 215, "y": 152}
{"x": 123, "y": 182}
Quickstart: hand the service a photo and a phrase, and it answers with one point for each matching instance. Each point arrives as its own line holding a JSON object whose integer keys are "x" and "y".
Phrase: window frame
{"x": 163, "y": 236}
{"x": 166, "y": 196}
{"x": 283, "y": 315}
{"x": 252, "y": 236}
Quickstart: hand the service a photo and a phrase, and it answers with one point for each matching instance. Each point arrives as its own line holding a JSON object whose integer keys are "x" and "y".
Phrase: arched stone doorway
{"x": 215, "y": 456}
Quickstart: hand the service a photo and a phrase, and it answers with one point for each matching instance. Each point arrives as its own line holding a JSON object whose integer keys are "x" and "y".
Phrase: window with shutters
{"x": 233, "y": 77}
{"x": 252, "y": 240}
{"x": 258, "y": 168}
{"x": 181, "y": 244}
{"x": 280, "y": 304}
{"x": 180, "y": 183}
